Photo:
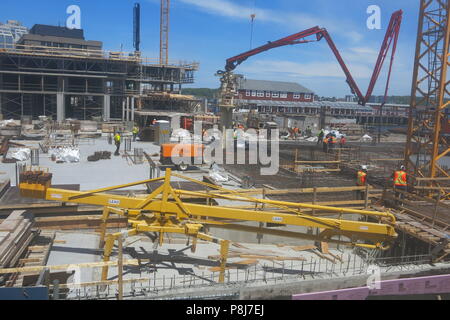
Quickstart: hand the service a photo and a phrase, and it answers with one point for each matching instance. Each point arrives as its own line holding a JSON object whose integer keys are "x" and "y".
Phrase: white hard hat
{"x": 364, "y": 168}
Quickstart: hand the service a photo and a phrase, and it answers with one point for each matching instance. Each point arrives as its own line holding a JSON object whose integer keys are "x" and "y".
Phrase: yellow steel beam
{"x": 159, "y": 204}
{"x": 93, "y": 192}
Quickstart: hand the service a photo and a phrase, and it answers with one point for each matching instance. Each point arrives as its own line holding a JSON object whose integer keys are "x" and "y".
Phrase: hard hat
{"x": 402, "y": 168}
{"x": 364, "y": 168}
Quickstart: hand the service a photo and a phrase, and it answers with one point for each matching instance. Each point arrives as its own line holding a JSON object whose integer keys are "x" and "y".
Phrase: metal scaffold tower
{"x": 164, "y": 38}
{"x": 428, "y": 139}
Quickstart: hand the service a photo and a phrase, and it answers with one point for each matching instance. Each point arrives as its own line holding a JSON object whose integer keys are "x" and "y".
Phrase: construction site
{"x": 114, "y": 185}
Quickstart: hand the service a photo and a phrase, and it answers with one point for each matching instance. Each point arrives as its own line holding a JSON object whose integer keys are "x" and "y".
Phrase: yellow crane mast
{"x": 163, "y": 211}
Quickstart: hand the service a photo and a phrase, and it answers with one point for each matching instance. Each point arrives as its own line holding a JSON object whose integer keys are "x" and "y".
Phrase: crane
{"x": 163, "y": 212}
{"x": 164, "y": 32}
{"x": 428, "y": 142}
{"x": 229, "y": 81}
{"x": 137, "y": 27}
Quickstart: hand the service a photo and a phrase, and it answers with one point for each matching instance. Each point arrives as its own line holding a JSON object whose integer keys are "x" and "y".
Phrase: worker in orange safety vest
{"x": 361, "y": 182}
{"x": 332, "y": 140}
{"x": 325, "y": 144}
{"x": 400, "y": 178}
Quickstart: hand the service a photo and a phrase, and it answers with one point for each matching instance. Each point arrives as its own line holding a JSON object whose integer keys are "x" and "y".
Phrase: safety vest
{"x": 135, "y": 130}
{"x": 333, "y": 140}
{"x": 400, "y": 179}
{"x": 362, "y": 178}
{"x": 117, "y": 138}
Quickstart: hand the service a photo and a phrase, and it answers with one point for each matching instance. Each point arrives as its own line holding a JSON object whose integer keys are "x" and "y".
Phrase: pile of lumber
{"x": 16, "y": 233}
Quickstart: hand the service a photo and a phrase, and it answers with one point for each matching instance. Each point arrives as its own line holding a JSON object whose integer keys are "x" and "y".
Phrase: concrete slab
{"x": 93, "y": 175}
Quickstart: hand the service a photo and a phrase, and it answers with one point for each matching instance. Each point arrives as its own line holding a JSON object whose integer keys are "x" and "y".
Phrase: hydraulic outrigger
{"x": 163, "y": 211}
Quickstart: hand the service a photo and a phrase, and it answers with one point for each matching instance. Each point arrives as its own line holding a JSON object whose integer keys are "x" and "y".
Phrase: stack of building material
{"x": 16, "y": 233}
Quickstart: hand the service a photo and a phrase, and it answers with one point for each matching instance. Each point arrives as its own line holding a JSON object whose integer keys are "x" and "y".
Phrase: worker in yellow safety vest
{"x": 400, "y": 182}
{"x": 361, "y": 182}
{"x": 135, "y": 133}
{"x": 117, "y": 141}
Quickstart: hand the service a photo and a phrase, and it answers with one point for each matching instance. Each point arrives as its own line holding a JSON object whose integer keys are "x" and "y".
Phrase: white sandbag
{"x": 181, "y": 135}
{"x": 66, "y": 155}
{"x": 366, "y": 138}
{"x": 22, "y": 154}
{"x": 5, "y": 123}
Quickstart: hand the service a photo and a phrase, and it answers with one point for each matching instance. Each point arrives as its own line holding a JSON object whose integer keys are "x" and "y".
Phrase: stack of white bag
{"x": 66, "y": 154}
{"x": 20, "y": 154}
{"x": 366, "y": 138}
{"x": 6, "y": 123}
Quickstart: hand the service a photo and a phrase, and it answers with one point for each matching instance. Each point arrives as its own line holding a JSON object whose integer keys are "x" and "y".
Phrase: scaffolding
{"x": 83, "y": 84}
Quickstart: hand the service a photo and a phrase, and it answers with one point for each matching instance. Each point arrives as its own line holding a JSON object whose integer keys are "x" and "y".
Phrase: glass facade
{"x": 10, "y": 33}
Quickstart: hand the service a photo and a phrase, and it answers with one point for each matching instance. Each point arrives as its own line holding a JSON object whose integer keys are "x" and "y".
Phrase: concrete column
{"x": 128, "y": 109}
{"x": 60, "y": 107}
{"x": 124, "y": 101}
{"x": 133, "y": 100}
{"x": 106, "y": 107}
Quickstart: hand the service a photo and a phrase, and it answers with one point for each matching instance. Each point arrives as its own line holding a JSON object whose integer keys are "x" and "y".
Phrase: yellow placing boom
{"x": 163, "y": 211}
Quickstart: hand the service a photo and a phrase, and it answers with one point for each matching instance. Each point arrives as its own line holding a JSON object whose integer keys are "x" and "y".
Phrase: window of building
{"x": 307, "y": 96}
{"x": 247, "y": 93}
{"x": 275, "y": 94}
{"x": 253, "y": 93}
{"x": 268, "y": 94}
{"x": 296, "y": 95}
{"x": 283, "y": 95}
{"x": 260, "y": 94}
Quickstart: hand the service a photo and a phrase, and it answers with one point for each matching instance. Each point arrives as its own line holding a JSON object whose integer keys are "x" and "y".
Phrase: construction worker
{"x": 342, "y": 141}
{"x": 325, "y": 144}
{"x": 332, "y": 140}
{"x": 117, "y": 140}
{"x": 321, "y": 136}
{"x": 154, "y": 122}
{"x": 135, "y": 133}
{"x": 400, "y": 183}
{"x": 361, "y": 181}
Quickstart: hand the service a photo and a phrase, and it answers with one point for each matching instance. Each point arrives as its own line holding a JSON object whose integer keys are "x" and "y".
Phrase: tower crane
{"x": 163, "y": 211}
{"x": 229, "y": 81}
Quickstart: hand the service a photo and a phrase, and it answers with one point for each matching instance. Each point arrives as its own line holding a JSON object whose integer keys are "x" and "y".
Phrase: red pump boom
{"x": 390, "y": 39}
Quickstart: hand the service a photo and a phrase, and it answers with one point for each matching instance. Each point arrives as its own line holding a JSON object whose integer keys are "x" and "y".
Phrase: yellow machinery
{"x": 163, "y": 211}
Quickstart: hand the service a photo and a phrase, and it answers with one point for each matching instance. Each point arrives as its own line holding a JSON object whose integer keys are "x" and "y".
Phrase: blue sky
{"x": 210, "y": 31}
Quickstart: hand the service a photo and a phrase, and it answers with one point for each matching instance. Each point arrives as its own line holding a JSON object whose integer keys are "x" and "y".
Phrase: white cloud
{"x": 297, "y": 21}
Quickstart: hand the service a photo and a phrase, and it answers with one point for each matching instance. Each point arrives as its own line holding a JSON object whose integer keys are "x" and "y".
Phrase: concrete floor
{"x": 93, "y": 175}
{"x": 174, "y": 266}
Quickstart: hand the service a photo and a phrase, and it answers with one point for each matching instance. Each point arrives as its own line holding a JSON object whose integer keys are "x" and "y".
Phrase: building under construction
{"x": 55, "y": 72}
